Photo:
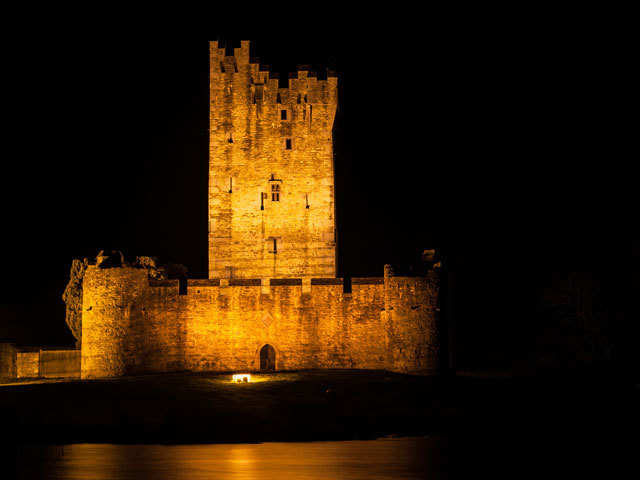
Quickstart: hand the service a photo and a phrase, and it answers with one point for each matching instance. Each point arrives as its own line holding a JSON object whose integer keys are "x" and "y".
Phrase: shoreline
{"x": 304, "y": 406}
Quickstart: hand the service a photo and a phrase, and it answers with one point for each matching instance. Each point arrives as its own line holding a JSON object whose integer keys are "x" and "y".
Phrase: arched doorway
{"x": 267, "y": 358}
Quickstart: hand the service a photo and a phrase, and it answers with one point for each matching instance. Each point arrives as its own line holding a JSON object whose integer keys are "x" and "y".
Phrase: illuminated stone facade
{"x": 271, "y": 195}
{"x": 131, "y": 324}
{"x": 281, "y": 296}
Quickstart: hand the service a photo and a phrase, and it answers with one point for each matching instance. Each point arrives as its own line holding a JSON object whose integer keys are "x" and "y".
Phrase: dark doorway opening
{"x": 267, "y": 358}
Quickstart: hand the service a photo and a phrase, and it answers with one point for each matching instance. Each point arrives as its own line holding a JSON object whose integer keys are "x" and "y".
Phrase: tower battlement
{"x": 272, "y": 300}
{"x": 304, "y": 86}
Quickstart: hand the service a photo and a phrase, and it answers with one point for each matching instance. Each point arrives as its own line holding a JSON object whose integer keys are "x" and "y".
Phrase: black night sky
{"x": 495, "y": 148}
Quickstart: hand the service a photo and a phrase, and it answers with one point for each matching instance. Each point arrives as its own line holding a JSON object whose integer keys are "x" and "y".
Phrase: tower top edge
{"x": 222, "y": 52}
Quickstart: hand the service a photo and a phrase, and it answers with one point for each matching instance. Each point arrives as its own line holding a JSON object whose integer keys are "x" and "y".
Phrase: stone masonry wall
{"x": 7, "y": 360}
{"x": 60, "y": 363}
{"x": 27, "y": 364}
{"x": 266, "y": 140}
{"x": 133, "y": 325}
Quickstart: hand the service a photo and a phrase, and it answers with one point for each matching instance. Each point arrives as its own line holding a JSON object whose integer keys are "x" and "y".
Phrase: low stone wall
{"x": 60, "y": 363}
{"x": 28, "y": 364}
{"x": 132, "y": 326}
{"x": 7, "y": 360}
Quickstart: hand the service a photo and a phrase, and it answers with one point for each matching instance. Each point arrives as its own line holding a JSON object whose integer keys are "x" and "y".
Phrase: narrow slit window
{"x": 275, "y": 192}
{"x": 299, "y": 98}
{"x": 310, "y": 113}
{"x": 230, "y": 184}
{"x": 278, "y": 98}
{"x": 274, "y": 245}
{"x": 230, "y": 139}
{"x": 287, "y": 144}
{"x": 222, "y": 67}
{"x": 283, "y": 114}
{"x": 306, "y": 200}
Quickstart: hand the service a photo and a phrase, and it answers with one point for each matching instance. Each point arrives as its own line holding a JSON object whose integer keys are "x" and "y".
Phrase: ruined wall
{"x": 7, "y": 360}
{"x": 256, "y": 153}
{"x": 27, "y": 364}
{"x": 72, "y": 298}
{"x": 121, "y": 331}
{"x": 60, "y": 363}
{"x": 133, "y": 325}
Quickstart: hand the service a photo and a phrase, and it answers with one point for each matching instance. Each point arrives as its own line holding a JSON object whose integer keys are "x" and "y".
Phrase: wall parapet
{"x": 135, "y": 324}
{"x": 274, "y": 282}
{"x": 245, "y": 282}
{"x": 204, "y": 282}
{"x": 367, "y": 281}
{"x": 285, "y": 281}
{"x": 326, "y": 281}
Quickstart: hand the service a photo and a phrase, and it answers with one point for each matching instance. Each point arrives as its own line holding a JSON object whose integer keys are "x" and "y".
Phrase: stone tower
{"x": 271, "y": 180}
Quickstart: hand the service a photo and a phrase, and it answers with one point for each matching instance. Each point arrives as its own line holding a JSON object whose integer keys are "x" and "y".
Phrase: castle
{"x": 272, "y": 300}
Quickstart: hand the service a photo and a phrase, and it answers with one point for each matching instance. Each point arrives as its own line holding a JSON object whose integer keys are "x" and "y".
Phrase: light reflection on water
{"x": 397, "y": 458}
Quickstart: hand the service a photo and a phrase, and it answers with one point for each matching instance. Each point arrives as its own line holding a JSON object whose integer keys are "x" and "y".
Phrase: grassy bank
{"x": 323, "y": 405}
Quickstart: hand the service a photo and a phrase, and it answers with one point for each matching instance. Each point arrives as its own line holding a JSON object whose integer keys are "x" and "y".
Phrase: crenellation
{"x": 134, "y": 324}
{"x": 272, "y": 256}
{"x": 256, "y": 132}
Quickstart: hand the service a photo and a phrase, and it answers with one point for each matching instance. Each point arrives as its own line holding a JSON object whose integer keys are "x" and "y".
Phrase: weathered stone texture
{"x": 27, "y": 364}
{"x": 72, "y": 298}
{"x": 272, "y": 256}
{"x": 7, "y": 360}
{"x": 261, "y": 188}
{"x": 59, "y": 363}
{"x": 134, "y": 325}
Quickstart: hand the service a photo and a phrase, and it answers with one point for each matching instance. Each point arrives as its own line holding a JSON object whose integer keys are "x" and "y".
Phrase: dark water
{"x": 394, "y": 458}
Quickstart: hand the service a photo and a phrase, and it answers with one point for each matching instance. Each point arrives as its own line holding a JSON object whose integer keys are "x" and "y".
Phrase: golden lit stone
{"x": 271, "y": 301}
{"x": 271, "y": 188}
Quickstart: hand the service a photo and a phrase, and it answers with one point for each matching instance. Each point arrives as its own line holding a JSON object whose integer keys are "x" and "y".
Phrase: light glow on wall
{"x": 241, "y": 378}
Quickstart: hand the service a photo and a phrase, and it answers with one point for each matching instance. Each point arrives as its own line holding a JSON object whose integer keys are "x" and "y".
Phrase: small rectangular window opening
{"x": 283, "y": 114}
{"x": 275, "y": 192}
{"x": 288, "y": 144}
